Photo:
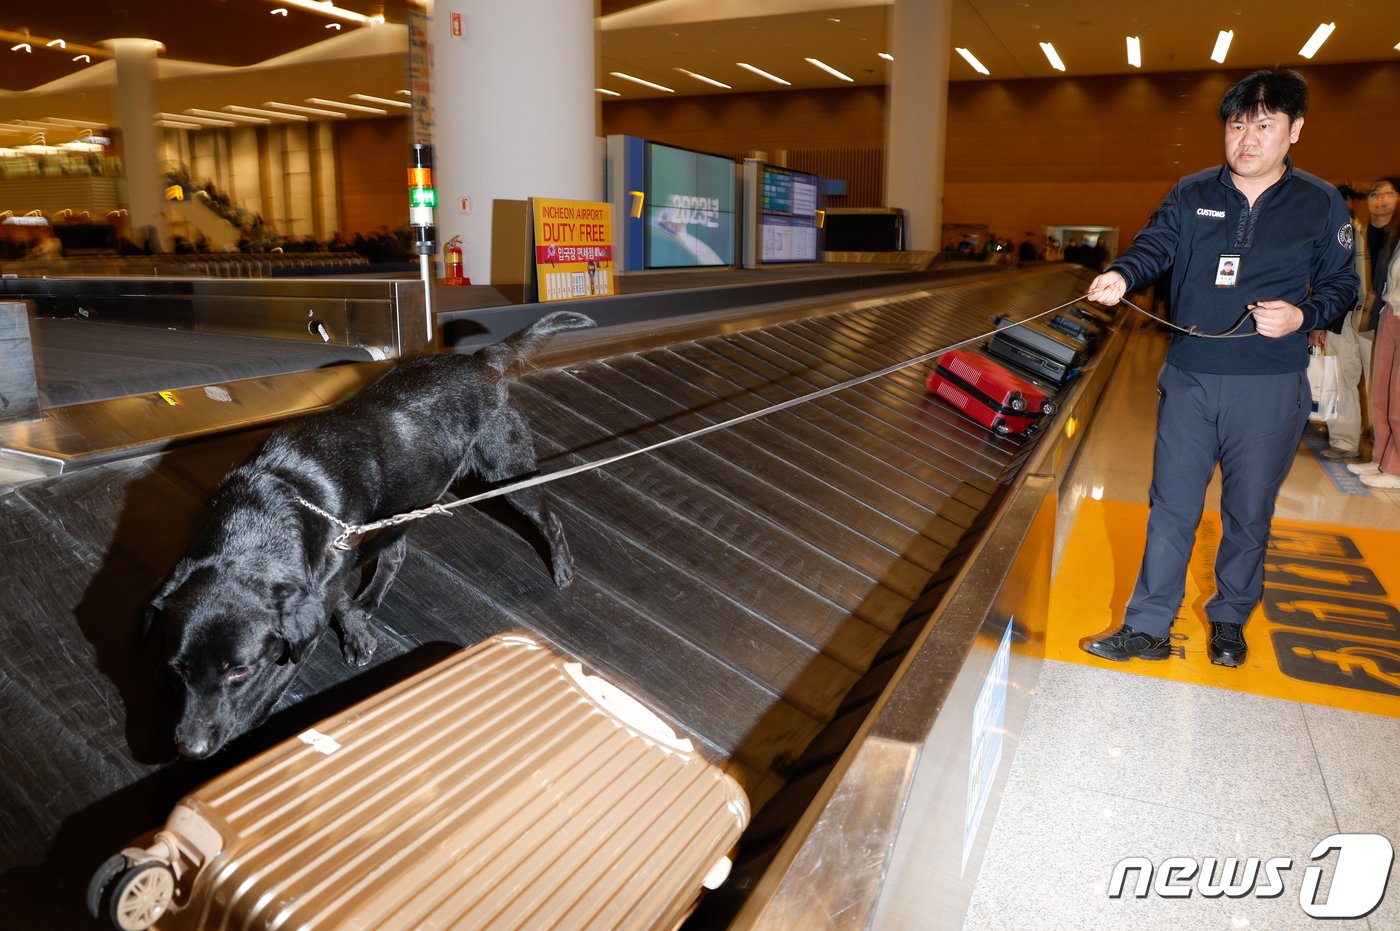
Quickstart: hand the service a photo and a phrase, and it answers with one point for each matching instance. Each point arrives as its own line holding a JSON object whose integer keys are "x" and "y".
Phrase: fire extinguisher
{"x": 452, "y": 257}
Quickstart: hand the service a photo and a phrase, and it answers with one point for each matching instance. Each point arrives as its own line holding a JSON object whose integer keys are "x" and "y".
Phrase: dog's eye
{"x": 238, "y": 672}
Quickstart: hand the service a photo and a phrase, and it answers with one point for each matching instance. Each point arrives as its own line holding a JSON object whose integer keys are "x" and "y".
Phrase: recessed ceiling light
{"x": 1222, "y": 46}
{"x": 887, "y": 56}
{"x": 1135, "y": 51}
{"x": 971, "y": 59}
{"x": 86, "y": 58}
{"x": 635, "y": 80}
{"x": 1319, "y": 36}
{"x": 701, "y": 77}
{"x": 761, "y": 73}
{"x": 52, "y": 42}
{"x": 280, "y": 11}
{"x": 604, "y": 90}
{"x": 1052, "y": 56}
{"x": 828, "y": 69}
{"x": 23, "y": 45}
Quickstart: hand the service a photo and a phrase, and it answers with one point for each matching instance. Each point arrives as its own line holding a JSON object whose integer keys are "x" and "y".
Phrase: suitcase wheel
{"x": 139, "y": 897}
{"x": 101, "y": 879}
{"x": 1048, "y": 408}
{"x": 1001, "y": 427}
{"x": 1016, "y": 402}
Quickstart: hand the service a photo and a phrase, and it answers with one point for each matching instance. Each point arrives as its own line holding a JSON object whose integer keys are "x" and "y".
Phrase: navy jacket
{"x": 1295, "y": 245}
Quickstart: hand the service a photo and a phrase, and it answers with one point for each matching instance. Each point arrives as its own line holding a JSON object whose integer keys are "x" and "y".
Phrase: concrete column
{"x": 916, "y": 115}
{"x": 136, "y": 110}
{"x": 516, "y": 114}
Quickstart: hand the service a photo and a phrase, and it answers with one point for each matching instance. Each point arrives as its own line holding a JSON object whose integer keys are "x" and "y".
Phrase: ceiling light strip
{"x": 272, "y": 114}
{"x": 81, "y": 124}
{"x": 817, "y": 62}
{"x": 707, "y": 80}
{"x": 1222, "y": 46}
{"x": 345, "y": 106}
{"x": 215, "y": 114}
{"x": 1052, "y": 56}
{"x": 384, "y": 100}
{"x": 1319, "y": 36}
{"x": 604, "y": 90}
{"x": 971, "y": 59}
{"x": 763, "y": 74}
{"x": 330, "y": 9}
{"x": 183, "y": 117}
{"x": 1135, "y": 51}
{"x": 636, "y": 80}
{"x": 298, "y": 108}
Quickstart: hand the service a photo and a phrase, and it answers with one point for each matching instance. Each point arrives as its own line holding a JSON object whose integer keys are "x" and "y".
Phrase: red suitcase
{"x": 989, "y": 392}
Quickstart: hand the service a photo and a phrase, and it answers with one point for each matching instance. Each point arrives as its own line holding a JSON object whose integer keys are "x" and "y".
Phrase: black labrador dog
{"x": 263, "y": 581}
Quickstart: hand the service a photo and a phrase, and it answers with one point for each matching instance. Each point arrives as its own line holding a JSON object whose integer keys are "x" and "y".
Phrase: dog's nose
{"x": 196, "y": 746}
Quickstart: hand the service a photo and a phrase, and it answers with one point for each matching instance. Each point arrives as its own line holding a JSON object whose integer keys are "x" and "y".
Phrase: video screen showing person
{"x": 788, "y": 216}
{"x": 689, "y": 208}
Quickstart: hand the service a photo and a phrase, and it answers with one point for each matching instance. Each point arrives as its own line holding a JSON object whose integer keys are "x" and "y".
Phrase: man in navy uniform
{"x": 1255, "y": 236}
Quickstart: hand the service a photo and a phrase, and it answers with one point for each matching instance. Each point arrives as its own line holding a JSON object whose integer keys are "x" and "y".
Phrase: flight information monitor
{"x": 788, "y": 222}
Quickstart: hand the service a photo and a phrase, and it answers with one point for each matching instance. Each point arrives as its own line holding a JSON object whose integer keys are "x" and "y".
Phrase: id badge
{"x": 1227, "y": 271}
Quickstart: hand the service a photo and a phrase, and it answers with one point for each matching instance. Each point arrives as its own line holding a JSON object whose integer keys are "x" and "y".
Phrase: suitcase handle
{"x": 627, "y": 709}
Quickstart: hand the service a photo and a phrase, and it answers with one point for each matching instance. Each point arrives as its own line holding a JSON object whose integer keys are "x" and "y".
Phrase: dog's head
{"x": 233, "y": 644}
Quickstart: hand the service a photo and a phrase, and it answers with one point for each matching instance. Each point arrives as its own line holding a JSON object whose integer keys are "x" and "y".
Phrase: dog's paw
{"x": 563, "y": 573}
{"x": 358, "y": 647}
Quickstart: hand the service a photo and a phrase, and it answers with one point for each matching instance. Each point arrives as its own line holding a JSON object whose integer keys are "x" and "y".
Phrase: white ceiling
{"x": 652, "y": 40}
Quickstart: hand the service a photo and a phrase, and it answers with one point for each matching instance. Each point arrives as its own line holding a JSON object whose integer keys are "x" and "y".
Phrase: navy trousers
{"x": 1250, "y": 425}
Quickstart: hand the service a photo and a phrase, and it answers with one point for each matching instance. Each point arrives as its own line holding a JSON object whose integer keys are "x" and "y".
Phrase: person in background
{"x": 1349, "y": 340}
{"x": 1240, "y": 403}
{"x": 1383, "y": 471}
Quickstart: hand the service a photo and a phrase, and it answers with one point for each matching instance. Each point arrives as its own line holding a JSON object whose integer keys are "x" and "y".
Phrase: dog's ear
{"x": 300, "y": 617}
{"x": 178, "y": 577}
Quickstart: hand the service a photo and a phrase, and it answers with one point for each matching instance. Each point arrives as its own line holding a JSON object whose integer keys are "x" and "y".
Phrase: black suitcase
{"x": 1080, "y": 330}
{"x": 1042, "y": 338}
{"x": 1037, "y": 348}
{"x": 1030, "y": 361}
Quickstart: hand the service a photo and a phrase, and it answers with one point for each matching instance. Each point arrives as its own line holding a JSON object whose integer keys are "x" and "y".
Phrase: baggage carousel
{"x": 809, "y": 595}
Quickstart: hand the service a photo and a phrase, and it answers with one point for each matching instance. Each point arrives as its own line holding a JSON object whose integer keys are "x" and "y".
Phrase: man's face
{"x": 1255, "y": 144}
{"x": 1381, "y": 202}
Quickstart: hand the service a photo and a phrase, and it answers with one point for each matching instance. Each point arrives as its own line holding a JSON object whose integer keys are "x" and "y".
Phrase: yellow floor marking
{"x": 1327, "y": 631}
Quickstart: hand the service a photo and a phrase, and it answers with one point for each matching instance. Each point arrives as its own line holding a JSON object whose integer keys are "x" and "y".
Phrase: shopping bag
{"x": 1322, "y": 379}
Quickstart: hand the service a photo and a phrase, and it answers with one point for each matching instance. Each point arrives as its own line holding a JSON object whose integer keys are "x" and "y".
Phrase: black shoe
{"x": 1227, "y": 646}
{"x": 1126, "y": 643}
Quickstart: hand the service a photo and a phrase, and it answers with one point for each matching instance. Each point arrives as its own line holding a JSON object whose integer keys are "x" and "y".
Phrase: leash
{"x": 347, "y": 530}
{"x": 1192, "y": 330}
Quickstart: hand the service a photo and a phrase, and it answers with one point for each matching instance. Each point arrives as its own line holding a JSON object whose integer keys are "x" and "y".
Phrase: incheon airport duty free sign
{"x": 573, "y": 249}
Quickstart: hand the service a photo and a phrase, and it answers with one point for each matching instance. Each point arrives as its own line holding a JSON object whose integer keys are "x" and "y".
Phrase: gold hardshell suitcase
{"x": 503, "y": 787}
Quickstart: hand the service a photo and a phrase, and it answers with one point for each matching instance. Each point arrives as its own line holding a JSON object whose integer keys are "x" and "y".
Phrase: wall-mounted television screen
{"x": 689, "y": 208}
{"x": 787, "y": 215}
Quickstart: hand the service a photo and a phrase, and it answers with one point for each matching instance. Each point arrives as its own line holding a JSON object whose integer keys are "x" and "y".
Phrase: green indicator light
{"x": 422, "y": 197}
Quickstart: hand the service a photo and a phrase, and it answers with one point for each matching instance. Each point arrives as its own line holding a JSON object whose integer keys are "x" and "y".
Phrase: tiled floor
{"x": 1113, "y": 765}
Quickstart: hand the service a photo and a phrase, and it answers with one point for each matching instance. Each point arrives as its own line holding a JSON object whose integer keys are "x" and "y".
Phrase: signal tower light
{"x": 422, "y": 198}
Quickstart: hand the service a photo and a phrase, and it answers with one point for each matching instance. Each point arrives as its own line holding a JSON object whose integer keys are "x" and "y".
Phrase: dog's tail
{"x": 516, "y": 348}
